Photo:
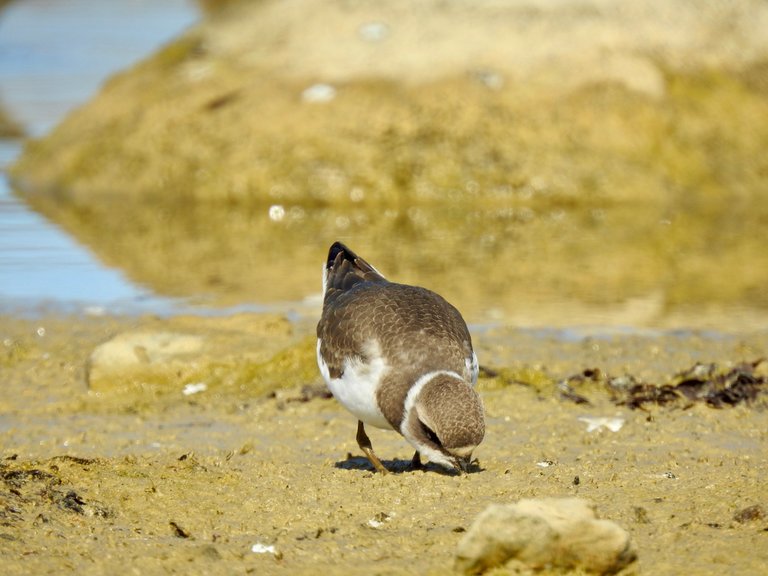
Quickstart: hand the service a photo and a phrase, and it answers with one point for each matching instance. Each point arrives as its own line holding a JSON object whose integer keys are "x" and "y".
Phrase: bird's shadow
{"x": 362, "y": 463}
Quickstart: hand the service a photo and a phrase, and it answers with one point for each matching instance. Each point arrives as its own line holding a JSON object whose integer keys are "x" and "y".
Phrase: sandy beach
{"x": 149, "y": 479}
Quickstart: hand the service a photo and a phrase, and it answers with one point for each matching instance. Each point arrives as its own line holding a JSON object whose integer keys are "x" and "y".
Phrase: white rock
{"x": 373, "y": 31}
{"x": 597, "y": 423}
{"x": 194, "y": 388}
{"x": 319, "y": 93}
{"x": 544, "y": 533}
{"x": 261, "y": 548}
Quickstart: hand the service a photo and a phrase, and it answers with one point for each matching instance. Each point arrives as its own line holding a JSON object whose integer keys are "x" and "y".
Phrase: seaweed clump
{"x": 706, "y": 383}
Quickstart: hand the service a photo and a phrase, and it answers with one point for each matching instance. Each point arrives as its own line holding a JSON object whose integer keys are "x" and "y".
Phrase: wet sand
{"x": 160, "y": 482}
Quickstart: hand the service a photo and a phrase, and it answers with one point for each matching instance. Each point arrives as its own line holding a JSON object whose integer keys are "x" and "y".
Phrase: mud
{"x": 239, "y": 480}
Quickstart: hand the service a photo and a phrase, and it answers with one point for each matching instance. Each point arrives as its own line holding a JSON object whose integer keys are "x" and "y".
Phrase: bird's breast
{"x": 356, "y": 387}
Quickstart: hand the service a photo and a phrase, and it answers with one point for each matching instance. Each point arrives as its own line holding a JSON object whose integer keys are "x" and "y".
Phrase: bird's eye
{"x": 430, "y": 434}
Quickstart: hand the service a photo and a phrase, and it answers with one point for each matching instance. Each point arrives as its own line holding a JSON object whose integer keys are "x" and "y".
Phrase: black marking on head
{"x": 430, "y": 434}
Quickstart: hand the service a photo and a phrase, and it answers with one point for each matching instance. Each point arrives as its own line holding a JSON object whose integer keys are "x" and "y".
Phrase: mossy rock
{"x": 213, "y": 356}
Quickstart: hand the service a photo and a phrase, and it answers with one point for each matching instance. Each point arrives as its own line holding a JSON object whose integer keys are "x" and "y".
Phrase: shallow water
{"x": 641, "y": 220}
{"x": 606, "y": 208}
{"x": 40, "y": 264}
{"x": 54, "y": 55}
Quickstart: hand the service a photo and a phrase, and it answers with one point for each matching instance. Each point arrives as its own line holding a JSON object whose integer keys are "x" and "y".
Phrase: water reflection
{"x": 606, "y": 206}
{"x": 630, "y": 264}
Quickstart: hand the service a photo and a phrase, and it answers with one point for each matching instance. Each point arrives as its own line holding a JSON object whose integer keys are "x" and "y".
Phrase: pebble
{"x": 261, "y": 548}
{"x": 373, "y": 31}
{"x": 319, "y": 93}
{"x": 597, "y": 423}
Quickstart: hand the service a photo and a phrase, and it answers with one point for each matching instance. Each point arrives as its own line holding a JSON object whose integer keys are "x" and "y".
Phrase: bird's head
{"x": 444, "y": 419}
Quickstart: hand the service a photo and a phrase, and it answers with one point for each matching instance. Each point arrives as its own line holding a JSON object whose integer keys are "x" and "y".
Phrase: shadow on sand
{"x": 401, "y": 466}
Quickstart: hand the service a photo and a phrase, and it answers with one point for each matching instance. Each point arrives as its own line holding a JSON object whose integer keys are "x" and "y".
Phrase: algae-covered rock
{"x": 249, "y": 355}
{"x": 218, "y": 114}
{"x": 143, "y": 355}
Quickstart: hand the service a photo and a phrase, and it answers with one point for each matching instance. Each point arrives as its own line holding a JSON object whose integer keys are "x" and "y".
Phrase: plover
{"x": 399, "y": 357}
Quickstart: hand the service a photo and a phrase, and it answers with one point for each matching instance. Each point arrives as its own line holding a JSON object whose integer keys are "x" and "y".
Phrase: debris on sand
{"x": 707, "y": 383}
{"x": 37, "y": 490}
{"x": 750, "y": 514}
{"x": 711, "y": 384}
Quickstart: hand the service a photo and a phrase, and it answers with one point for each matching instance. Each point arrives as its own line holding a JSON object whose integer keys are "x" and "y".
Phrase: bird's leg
{"x": 365, "y": 445}
{"x": 416, "y": 462}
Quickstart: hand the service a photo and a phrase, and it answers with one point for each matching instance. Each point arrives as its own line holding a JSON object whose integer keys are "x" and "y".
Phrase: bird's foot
{"x": 365, "y": 445}
{"x": 373, "y": 459}
{"x": 416, "y": 462}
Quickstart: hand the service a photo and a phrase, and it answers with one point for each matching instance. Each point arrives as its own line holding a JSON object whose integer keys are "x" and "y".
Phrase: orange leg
{"x": 365, "y": 445}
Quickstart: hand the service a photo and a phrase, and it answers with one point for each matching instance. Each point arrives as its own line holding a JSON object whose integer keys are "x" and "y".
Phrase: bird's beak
{"x": 462, "y": 464}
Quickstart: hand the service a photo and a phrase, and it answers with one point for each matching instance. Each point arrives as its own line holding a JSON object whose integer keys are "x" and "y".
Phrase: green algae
{"x": 14, "y": 351}
{"x": 292, "y": 367}
{"x": 533, "y": 377}
{"x": 154, "y": 387}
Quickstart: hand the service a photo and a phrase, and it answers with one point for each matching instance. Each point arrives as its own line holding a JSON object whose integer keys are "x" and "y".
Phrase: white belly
{"x": 356, "y": 389}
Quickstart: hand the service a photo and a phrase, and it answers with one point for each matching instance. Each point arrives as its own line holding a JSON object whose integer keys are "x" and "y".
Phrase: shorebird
{"x": 399, "y": 357}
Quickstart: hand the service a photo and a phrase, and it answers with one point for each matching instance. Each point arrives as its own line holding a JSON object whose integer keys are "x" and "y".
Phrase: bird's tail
{"x": 345, "y": 269}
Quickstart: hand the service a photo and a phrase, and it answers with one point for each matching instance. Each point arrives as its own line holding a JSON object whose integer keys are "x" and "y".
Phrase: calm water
{"x": 681, "y": 245}
{"x": 54, "y": 55}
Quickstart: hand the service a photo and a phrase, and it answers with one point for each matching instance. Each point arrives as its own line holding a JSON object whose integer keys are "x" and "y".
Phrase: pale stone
{"x": 551, "y": 533}
{"x": 197, "y": 357}
{"x": 132, "y": 348}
